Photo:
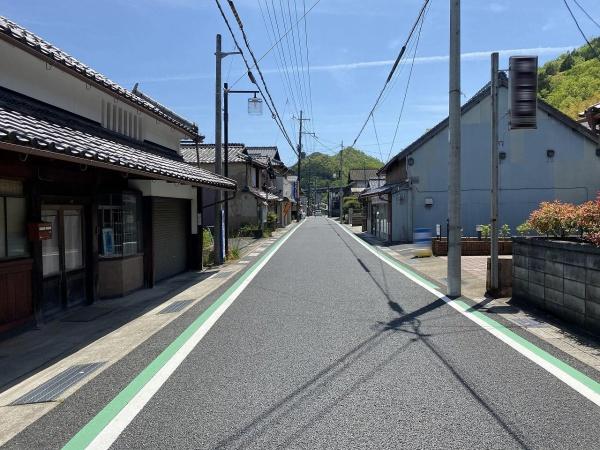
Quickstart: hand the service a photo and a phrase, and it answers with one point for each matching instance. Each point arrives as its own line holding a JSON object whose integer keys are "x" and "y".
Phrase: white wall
{"x": 25, "y": 73}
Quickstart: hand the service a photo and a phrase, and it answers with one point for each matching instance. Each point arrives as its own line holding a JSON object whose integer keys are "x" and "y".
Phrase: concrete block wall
{"x": 560, "y": 277}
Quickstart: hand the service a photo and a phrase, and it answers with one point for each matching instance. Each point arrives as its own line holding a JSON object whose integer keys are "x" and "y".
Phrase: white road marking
{"x": 115, "y": 427}
{"x": 559, "y": 373}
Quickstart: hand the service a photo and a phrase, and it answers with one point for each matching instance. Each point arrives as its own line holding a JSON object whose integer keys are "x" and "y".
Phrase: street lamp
{"x": 226, "y": 92}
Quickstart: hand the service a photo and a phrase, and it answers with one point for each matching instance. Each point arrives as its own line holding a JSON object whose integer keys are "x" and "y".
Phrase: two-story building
{"x": 254, "y": 176}
{"x": 559, "y": 160}
{"x": 95, "y": 198}
{"x": 283, "y": 184}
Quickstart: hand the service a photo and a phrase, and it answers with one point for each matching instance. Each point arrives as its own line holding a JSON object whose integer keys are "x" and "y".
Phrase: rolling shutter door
{"x": 169, "y": 236}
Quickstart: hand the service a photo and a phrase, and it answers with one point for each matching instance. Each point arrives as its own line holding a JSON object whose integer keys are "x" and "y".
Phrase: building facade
{"x": 560, "y": 160}
{"x": 256, "y": 193}
{"x": 95, "y": 198}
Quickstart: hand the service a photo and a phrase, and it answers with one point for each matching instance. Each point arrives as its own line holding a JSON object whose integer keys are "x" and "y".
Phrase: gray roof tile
{"x": 31, "y": 126}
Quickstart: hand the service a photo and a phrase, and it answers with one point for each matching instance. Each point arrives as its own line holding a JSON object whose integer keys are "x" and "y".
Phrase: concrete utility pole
{"x": 299, "y": 164}
{"x": 454, "y": 235}
{"x": 341, "y": 183}
{"x": 219, "y": 232}
{"x": 300, "y": 133}
{"x": 494, "y": 203}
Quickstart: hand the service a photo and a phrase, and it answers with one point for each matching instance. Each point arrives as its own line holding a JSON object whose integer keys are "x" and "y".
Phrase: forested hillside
{"x": 320, "y": 167}
{"x": 571, "y": 82}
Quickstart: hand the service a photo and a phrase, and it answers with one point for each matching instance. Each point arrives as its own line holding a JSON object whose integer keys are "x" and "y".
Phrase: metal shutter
{"x": 169, "y": 236}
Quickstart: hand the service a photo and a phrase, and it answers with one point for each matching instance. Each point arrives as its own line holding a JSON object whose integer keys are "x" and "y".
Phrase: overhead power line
{"x": 280, "y": 39}
{"x": 586, "y": 13}
{"x": 412, "y": 64}
{"x": 391, "y": 74}
{"x": 272, "y": 107}
{"x": 581, "y": 31}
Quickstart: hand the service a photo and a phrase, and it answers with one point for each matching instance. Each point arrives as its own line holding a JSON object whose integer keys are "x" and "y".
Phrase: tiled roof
{"x": 264, "y": 195}
{"x": 31, "y": 127}
{"x": 270, "y": 152}
{"x": 385, "y": 189}
{"x": 362, "y": 174}
{"x": 207, "y": 153}
{"x": 16, "y": 34}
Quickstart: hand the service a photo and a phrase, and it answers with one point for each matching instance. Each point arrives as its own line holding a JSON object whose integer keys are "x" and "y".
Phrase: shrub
{"x": 248, "y": 230}
{"x": 505, "y": 231}
{"x": 233, "y": 253}
{"x": 523, "y": 229}
{"x": 272, "y": 220}
{"x": 560, "y": 219}
{"x": 485, "y": 231}
{"x": 555, "y": 218}
{"x": 351, "y": 202}
{"x": 208, "y": 254}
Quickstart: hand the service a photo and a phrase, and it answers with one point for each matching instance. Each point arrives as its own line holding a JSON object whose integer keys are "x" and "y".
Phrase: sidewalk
{"x": 101, "y": 333}
{"x": 570, "y": 339}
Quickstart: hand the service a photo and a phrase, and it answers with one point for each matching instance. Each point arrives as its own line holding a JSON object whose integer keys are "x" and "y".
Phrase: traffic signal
{"x": 523, "y": 92}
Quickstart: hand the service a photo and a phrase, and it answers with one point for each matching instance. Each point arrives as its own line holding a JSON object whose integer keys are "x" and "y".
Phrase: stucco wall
{"x": 31, "y": 76}
{"x": 527, "y": 175}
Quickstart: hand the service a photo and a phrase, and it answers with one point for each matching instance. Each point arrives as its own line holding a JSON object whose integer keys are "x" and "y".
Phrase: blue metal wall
{"x": 527, "y": 175}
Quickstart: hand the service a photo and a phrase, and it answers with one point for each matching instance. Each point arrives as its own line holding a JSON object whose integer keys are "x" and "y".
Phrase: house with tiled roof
{"x": 256, "y": 175}
{"x": 559, "y": 160}
{"x": 96, "y": 197}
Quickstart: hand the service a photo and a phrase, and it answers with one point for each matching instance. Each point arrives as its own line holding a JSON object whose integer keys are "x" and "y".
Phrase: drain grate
{"x": 51, "y": 389}
{"x": 175, "y": 307}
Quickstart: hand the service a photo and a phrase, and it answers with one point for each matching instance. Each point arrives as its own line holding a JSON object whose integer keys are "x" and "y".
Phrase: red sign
{"x": 39, "y": 231}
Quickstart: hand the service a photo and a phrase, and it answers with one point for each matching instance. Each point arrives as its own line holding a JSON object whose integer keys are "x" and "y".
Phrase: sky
{"x": 168, "y": 47}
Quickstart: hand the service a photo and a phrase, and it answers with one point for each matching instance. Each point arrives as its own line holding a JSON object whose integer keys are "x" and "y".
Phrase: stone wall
{"x": 559, "y": 276}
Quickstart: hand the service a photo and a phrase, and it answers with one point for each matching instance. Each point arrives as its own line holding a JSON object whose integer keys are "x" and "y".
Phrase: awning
{"x": 24, "y": 130}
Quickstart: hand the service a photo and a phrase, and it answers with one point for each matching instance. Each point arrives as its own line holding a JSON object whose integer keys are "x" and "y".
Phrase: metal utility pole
{"x": 494, "y": 284}
{"x": 454, "y": 235}
{"x": 220, "y": 237}
{"x": 341, "y": 194}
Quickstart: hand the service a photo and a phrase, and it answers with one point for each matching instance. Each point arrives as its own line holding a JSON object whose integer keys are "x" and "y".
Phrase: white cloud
{"x": 468, "y": 56}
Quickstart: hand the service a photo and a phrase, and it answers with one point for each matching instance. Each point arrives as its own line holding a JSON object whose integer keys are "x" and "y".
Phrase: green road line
{"x": 582, "y": 378}
{"x": 89, "y": 432}
{"x": 469, "y": 310}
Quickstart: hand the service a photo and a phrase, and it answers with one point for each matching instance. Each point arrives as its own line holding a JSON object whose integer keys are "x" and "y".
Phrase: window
{"x": 119, "y": 219}
{"x": 13, "y": 209}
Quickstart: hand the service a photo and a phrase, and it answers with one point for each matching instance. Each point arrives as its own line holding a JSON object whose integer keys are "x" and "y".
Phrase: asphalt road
{"x": 329, "y": 347}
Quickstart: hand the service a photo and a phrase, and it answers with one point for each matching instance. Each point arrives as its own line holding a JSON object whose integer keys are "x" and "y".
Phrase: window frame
{"x": 118, "y": 208}
{"x": 3, "y": 200}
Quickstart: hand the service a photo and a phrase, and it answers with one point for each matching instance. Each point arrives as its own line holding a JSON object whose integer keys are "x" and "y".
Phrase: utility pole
{"x": 220, "y": 237}
{"x": 300, "y": 133}
{"x": 226, "y": 162}
{"x": 221, "y": 215}
{"x": 454, "y": 235}
{"x": 226, "y": 92}
{"x": 494, "y": 284}
{"x": 341, "y": 194}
